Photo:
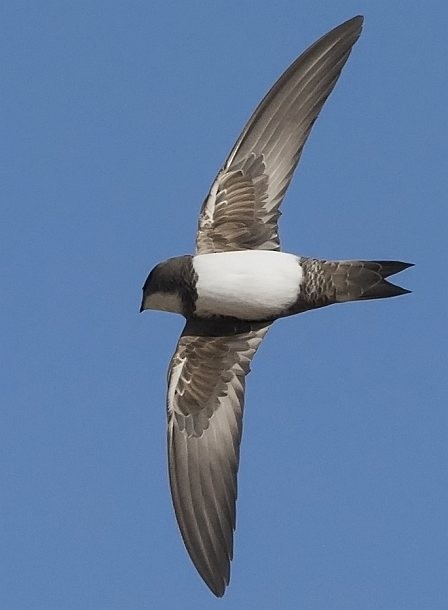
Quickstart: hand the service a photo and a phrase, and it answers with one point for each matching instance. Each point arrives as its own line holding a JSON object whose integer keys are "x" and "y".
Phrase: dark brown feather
{"x": 205, "y": 408}
{"x": 328, "y": 282}
{"x": 242, "y": 209}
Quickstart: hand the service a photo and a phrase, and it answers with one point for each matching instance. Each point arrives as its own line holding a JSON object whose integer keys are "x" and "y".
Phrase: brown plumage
{"x": 206, "y": 378}
{"x": 240, "y": 212}
{"x": 329, "y": 282}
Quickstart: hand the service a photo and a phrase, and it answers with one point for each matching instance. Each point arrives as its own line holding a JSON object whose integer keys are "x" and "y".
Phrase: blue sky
{"x": 115, "y": 118}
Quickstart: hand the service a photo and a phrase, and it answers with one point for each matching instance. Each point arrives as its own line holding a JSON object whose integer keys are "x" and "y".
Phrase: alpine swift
{"x": 231, "y": 291}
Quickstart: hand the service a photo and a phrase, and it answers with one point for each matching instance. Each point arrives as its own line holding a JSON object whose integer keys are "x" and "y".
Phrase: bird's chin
{"x": 162, "y": 301}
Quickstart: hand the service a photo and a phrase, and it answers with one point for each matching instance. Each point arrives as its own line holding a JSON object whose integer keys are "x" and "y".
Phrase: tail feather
{"x": 362, "y": 280}
{"x": 388, "y": 268}
{"x": 328, "y": 282}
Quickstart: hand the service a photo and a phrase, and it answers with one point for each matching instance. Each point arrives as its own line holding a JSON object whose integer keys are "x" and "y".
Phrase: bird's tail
{"x": 359, "y": 280}
{"x": 327, "y": 282}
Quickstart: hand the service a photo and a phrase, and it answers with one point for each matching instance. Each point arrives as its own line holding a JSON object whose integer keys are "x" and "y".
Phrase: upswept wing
{"x": 205, "y": 407}
{"x": 242, "y": 209}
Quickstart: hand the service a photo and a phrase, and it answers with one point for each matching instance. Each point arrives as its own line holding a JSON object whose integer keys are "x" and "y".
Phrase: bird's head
{"x": 161, "y": 289}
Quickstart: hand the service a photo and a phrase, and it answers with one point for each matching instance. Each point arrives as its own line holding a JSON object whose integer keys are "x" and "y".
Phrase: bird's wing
{"x": 242, "y": 209}
{"x": 206, "y": 381}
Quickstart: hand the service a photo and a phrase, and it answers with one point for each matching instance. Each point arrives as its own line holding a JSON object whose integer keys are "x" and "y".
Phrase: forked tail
{"x": 327, "y": 282}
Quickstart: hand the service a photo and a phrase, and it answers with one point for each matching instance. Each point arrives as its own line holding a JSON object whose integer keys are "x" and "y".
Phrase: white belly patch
{"x": 247, "y": 284}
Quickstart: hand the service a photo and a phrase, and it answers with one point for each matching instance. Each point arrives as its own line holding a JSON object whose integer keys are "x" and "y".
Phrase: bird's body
{"x": 262, "y": 285}
{"x": 244, "y": 284}
{"x": 247, "y": 284}
{"x": 234, "y": 287}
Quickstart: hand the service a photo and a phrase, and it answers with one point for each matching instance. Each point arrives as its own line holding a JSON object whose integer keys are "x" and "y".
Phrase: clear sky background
{"x": 115, "y": 118}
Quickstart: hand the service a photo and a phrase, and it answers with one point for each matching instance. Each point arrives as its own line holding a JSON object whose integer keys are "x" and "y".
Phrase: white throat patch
{"x": 163, "y": 301}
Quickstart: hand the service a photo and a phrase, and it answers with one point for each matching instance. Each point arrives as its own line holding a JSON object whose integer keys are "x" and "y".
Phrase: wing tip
{"x": 218, "y": 587}
{"x": 357, "y": 20}
{"x": 351, "y": 27}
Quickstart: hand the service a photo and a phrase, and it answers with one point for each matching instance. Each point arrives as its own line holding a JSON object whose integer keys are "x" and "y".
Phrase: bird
{"x": 231, "y": 291}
